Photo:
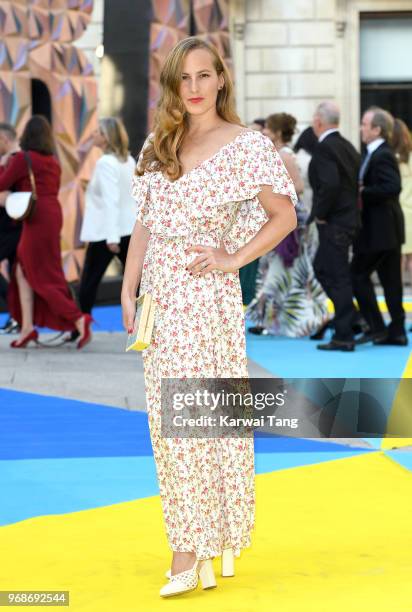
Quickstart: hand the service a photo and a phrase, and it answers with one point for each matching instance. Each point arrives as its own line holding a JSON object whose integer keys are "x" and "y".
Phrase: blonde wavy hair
{"x": 171, "y": 119}
{"x": 117, "y": 140}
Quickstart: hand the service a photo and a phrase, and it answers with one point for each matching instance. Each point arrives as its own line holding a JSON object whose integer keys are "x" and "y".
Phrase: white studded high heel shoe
{"x": 227, "y": 564}
{"x": 188, "y": 580}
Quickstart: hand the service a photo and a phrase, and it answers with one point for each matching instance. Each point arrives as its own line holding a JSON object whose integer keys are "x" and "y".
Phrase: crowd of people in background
{"x": 355, "y": 222}
{"x": 33, "y": 282}
{"x": 354, "y": 227}
{"x": 289, "y": 299}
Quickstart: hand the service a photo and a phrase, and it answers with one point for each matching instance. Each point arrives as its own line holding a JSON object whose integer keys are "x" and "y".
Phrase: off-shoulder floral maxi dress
{"x": 206, "y": 485}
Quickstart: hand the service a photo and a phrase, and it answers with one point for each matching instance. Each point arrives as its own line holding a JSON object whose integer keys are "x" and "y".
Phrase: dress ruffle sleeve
{"x": 257, "y": 163}
{"x": 140, "y": 192}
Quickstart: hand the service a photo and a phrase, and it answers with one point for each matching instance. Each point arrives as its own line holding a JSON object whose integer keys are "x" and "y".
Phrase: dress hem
{"x": 218, "y": 553}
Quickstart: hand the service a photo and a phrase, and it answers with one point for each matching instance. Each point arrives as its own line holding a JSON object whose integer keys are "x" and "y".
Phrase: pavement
{"x": 102, "y": 372}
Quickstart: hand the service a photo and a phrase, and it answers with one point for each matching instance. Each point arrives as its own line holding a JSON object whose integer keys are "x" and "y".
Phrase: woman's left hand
{"x": 211, "y": 258}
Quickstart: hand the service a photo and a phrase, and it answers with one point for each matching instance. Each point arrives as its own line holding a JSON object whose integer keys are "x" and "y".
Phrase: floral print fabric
{"x": 206, "y": 484}
{"x": 289, "y": 301}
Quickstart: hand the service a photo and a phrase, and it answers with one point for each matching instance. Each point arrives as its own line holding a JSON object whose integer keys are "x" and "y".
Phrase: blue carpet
{"x": 40, "y": 487}
{"x": 404, "y": 458}
{"x": 37, "y": 426}
{"x": 271, "y": 462}
{"x": 108, "y": 318}
{"x": 265, "y": 443}
{"x": 374, "y": 442}
{"x": 299, "y": 358}
{"x": 59, "y": 455}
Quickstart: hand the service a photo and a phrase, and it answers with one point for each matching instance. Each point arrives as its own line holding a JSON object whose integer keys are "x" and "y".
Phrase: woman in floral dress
{"x": 211, "y": 196}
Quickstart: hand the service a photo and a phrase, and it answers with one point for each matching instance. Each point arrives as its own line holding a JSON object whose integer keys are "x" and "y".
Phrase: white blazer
{"x": 109, "y": 210}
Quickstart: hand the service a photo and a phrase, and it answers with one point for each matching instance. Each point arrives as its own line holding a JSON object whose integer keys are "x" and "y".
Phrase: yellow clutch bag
{"x": 141, "y": 336}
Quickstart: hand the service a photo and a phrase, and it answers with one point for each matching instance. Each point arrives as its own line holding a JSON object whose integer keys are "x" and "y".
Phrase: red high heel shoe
{"x": 87, "y": 334}
{"x": 33, "y": 335}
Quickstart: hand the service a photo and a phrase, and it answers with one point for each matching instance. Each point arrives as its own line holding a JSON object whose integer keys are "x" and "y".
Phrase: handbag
{"x": 141, "y": 335}
{"x": 20, "y": 204}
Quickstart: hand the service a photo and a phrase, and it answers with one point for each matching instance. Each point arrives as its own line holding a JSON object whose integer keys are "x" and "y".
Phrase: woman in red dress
{"x": 38, "y": 292}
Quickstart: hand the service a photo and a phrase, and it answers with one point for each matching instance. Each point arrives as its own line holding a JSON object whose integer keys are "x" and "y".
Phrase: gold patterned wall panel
{"x": 36, "y": 46}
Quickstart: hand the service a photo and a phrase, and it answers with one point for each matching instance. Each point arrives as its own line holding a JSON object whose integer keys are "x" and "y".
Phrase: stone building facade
{"x": 91, "y": 42}
{"x": 291, "y": 54}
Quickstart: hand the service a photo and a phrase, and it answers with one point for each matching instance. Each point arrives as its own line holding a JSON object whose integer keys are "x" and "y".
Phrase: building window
{"x": 385, "y": 66}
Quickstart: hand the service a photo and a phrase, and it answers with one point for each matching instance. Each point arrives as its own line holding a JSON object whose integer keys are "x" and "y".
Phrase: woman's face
{"x": 99, "y": 140}
{"x": 200, "y": 82}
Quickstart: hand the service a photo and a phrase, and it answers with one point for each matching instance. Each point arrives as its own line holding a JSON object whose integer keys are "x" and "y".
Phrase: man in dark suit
{"x": 378, "y": 247}
{"x": 333, "y": 175}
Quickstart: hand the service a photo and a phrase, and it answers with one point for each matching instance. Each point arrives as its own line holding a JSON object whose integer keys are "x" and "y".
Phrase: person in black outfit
{"x": 378, "y": 246}
{"x": 333, "y": 175}
{"x": 10, "y": 230}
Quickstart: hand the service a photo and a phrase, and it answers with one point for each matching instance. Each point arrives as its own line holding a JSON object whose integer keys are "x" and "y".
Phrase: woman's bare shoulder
{"x": 233, "y": 130}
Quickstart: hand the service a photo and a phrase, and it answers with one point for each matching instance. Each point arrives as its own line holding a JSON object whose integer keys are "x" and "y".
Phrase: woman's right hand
{"x": 128, "y": 312}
